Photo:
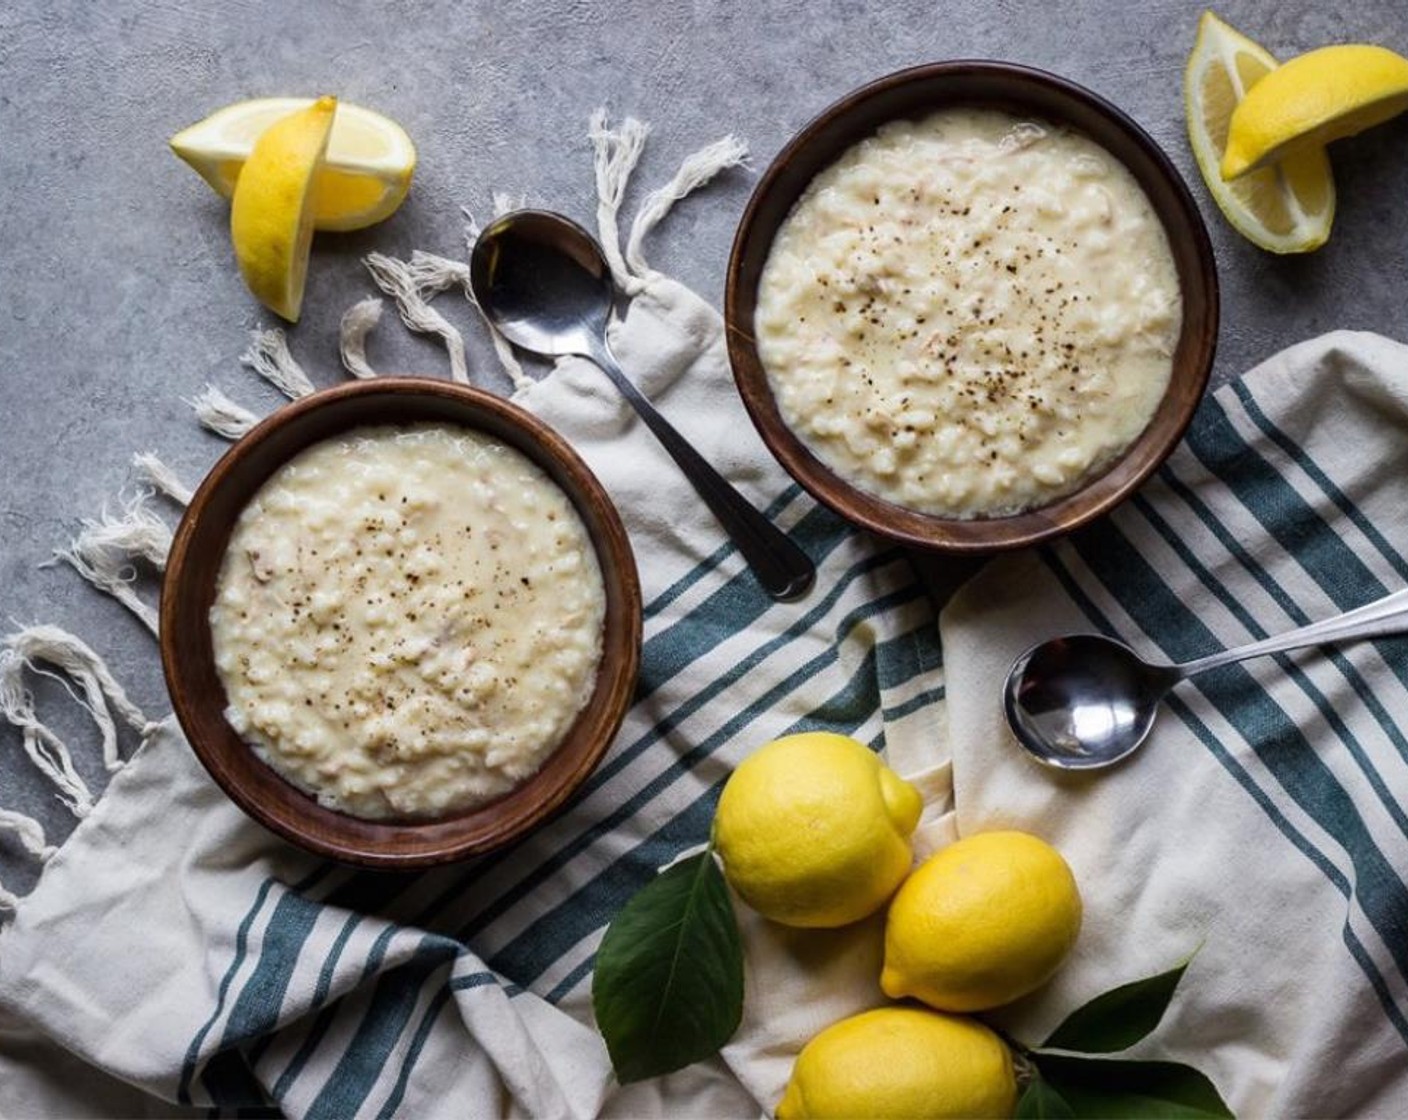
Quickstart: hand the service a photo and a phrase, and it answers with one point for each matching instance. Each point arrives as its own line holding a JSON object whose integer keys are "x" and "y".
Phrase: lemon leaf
{"x": 1119, "y": 1018}
{"x": 1042, "y": 1102}
{"x": 668, "y": 987}
{"x": 1114, "y": 1088}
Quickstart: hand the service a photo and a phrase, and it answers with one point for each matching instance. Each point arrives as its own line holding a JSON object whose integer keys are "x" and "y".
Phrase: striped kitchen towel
{"x": 176, "y": 947}
{"x": 1265, "y": 823}
{"x": 176, "y": 956}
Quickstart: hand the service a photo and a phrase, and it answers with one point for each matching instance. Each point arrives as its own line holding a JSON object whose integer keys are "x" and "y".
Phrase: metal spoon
{"x": 544, "y": 283}
{"x": 1085, "y": 701}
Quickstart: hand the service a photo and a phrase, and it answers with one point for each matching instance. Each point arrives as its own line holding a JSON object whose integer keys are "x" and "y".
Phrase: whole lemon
{"x": 813, "y": 830}
{"x": 981, "y": 922}
{"x": 899, "y": 1062}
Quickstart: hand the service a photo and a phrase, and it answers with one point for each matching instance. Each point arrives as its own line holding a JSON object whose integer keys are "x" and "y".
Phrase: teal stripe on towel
{"x": 418, "y": 1040}
{"x": 1298, "y": 676}
{"x": 183, "y": 1088}
{"x": 1229, "y": 763}
{"x": 1316, "y": 474}
{"x": 256, "y": 1011}
{"x": 1348, "y": 586}
{"x": 393, "y": 1000}
{"x": 413, "y": 1052}
{"x": 913, "y": 704}
{"x": 365, "y": 892}
{"x": 320, "y": 1026}
{"x": 732, "y": 608}
{"x": 324, "y": 984}
{"x": 1283, "y": 600}
{"x": 1286, "y": 516}
{"x": 1278, "y": 742}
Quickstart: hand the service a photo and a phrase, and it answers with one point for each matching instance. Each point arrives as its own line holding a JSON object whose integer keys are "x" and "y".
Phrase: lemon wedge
{"x": 365, "y": 175}
{"x": 1312, "y": 99}
{"x": 1287, "y": 207}
{"x": 271, "y": 216}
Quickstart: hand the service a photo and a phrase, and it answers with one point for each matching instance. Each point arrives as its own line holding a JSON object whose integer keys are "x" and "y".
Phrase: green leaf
{"x": 1119, "y": 1018}
{"x": 668, "y": 988}
{"x": 1116, "y": 1089}
{"x": 1042, "y": 1102}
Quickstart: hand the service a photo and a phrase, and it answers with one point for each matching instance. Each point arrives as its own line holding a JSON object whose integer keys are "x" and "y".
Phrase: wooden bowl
{"x": 912, "y": 94}
{"x": 199, "y": 697}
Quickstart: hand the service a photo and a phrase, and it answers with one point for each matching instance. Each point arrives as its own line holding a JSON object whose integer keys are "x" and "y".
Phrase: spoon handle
{"x": 1378, "y": 619}
{"x": 784, "y": 570}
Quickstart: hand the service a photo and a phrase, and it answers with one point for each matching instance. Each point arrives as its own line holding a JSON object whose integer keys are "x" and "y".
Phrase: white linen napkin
{"x": 1265, "y": 823}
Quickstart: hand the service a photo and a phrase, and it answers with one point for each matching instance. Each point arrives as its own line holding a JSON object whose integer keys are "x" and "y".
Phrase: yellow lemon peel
{"x": 899, "y": 1063}
{"x": 271, "y": 217}
{"x": 981, "y": 923}
{"x": 813, "y": 830}
{"x": 1312, "y": 99}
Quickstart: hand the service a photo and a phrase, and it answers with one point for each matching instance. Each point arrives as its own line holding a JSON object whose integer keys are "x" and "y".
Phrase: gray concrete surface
{"x": 119, "y": 295}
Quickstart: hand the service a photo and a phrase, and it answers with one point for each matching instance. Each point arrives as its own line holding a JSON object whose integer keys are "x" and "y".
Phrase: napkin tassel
{"x": 696, "y": 171}
{"x": 358, "y": 321}
{"x": 268, "y": 356}
{"x": 97, "y": 692}
{"x": 161, "y": 478}
{"x": 32, "y": 840}
{"x": 617, "y": 150}
{"x": 219, "y": 414}
{"x": 106, "y": 551}
{"x": 411, "y": 284}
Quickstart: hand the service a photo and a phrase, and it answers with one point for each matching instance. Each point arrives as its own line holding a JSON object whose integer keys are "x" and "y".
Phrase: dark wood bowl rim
{"x": 1193, "y": 356}
{"x": 406, "y": 844}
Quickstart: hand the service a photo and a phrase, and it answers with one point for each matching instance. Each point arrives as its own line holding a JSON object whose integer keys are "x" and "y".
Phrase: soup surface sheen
{"x": 971, "y": 314}
{"x": 407, "y": 620}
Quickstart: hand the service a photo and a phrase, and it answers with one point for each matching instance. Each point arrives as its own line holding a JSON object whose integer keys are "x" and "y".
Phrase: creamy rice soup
{"x": 407, "y": 620}
{"x": 971, "y": 314}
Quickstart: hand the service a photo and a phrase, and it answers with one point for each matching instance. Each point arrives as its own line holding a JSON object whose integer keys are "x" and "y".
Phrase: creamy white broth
{"x": 971, "y": 314}
{"x": 407, "y": 620}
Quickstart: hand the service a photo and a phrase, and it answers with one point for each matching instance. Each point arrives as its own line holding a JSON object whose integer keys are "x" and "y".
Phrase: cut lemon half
{"x": 1312, "y": 99}
{"x": 1285, "y": 208}
{"x": 271, "y": 215}
{"x": 365, "y": 175}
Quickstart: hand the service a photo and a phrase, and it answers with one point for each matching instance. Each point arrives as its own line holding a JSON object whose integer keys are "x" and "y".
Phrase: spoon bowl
{"x": 1084, "y": 701}
{"x": 544, "y": 283}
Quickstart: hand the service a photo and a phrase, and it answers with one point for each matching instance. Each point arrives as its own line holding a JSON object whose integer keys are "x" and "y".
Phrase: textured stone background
{"x": 118, "y": 290}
